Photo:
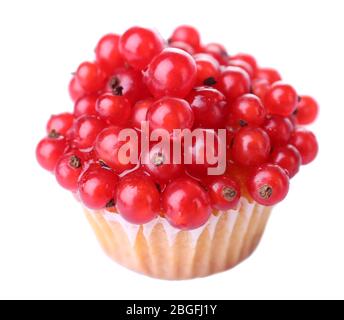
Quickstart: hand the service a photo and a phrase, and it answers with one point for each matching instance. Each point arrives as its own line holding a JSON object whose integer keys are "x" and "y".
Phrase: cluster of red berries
{"x": 178, "y": 84}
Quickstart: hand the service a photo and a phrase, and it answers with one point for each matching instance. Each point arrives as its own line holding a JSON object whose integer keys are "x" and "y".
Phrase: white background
{"x": 47, "y": 250}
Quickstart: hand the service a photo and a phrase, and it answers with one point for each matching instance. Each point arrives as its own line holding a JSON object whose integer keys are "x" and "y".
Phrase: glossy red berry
{"x": 183, "y": 46}
{"x": 113, "y": 109}
{"x": 229, "y": 136}
{"x": 128, "y": 83}
{"x": 85, "y": 131}
{"x": 288, "y": 158}
{"x": 233, "y": 82}
{"x": 90, "y": 77}
{"x": 247, "y": 110}
{"x": 307, "y": 110}
{"x": 138, "y": 46}
{"x": 240, "y": 174}
{"x": 241, "y": 64}
{"x": 75, "y": 89}
{"x": 248, "y": 59}
{"x": 139, "y": 112}
{"x": 107, "y": 52}
{"x": 202, "y": 153}
{"x": 208, "y": 69}
{"x": 268, "y": 185}
{"x": 49, "y": 150}
{"x": 158, "y": 162}
{"x": 97, "y": 187}
{"x": 60, "y": 123}
{"x": 171, "y": 73}
{"x": 281, "y": 99}
{"x": 279, "y": 129}
{"x": 218, "y": 51}
{"x": 68, "y": 170}
{"x": 186, "y": 204}
{"x": 269, "y": 74}
{"x": 138, "y": 199}
{"x": 250, "y": 146}
{"x": 85, "y": 106}
{"x": 224, "y": 192}
{"x": 260, "y": 87}
{"x": 108, "y": 148}
{"x": 187, "y": 34}
{"x": 306, "y": 143}
{"x": 169, "y": 114}
{"x": 209, "y": 106}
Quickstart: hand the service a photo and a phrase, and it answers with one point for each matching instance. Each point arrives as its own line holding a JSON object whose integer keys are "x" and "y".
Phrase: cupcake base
{"x": 159, "y": 250}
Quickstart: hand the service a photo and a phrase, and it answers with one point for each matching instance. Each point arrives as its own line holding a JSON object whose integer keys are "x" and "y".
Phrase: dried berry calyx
{"x": 265, "y": 191}
{"x": 115, "y": 86}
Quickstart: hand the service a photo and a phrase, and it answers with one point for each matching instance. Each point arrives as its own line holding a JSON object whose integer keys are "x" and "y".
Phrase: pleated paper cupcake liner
{"x": 159, "y": 250}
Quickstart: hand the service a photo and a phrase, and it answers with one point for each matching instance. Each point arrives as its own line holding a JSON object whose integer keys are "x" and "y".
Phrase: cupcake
{"x": 176, "y": 151}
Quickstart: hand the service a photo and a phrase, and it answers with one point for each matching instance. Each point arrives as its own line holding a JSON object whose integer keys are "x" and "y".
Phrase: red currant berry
{"x": 159, "y": 163}
{"x": 60, "y": 123}
{"x": 218, "y": 51}
{"x": 182, "y": 46}
{"x": 229, "y": 137}
{"x": 128, "y": 83}
{"x": 260, "y": 87}
{"x": 186, "y": 204}
{"x": 107, "y": 53}
{"x": 108, "y": 148}
{"x": 208, "y": 69}
{"x": 139, "y": 112}
{"x": 250, "y": 146}
{"x": 49, "y": 150}
{"x": 288, "y": 158}
{"x": 139, "y": 46}
{"x": 268, "y": 185}
{"x": 241, "y": 175}
{"x": 224, "y": 192}
{"x": 248, "y": 59}
{"x": 209, "y": 106}
{"x": 114, "y": 109}
{"x": 241, "y": 64}
{"x": 271, "y": 75}
{"x": 97, "y": 187}
{"x": 307, "y": 110}
{"x": 138, "y": 199}
{"x": 188, "y": 35}
{"x": 68, "y": 170}
{"x": 292, "y": 119}
{"x": 279, "y": 129}
{"x": 233, "y": 82}
{"x": 281, "y": 99}
{"x": 85, "y": 106}
{"x": 200, "y": 155}
{"x": 85, "y": 130}
{"x": 90, "y": 77}
{"x": 75, "y": 89}
{"x": 88, "y": 156}
{"x": 169, "y": 114}
{"x": 171, "y": 73}
{"x": 306, "y": 143}
{"x": 246, "y": 110}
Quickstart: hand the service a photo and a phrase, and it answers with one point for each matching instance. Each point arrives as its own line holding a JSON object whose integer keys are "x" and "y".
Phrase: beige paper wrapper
{"x": 159, "y": 250}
